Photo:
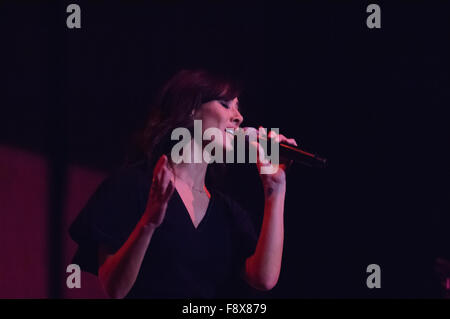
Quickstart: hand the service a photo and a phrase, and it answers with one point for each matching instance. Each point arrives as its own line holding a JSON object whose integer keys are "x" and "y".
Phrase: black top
{"x": 181, "y": 261}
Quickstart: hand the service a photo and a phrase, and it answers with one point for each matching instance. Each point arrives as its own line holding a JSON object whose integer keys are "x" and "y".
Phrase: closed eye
{"x": 224, "y": 104}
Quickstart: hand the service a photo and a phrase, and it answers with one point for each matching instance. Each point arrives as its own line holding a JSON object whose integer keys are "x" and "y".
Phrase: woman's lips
{"x": 230, "y": 130}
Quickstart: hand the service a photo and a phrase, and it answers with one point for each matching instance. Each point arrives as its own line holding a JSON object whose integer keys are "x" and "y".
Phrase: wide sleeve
{"x": 108, "y": 218}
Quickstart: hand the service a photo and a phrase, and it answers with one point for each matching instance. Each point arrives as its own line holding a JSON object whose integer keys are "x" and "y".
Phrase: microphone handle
{"x": 298, "y": 155}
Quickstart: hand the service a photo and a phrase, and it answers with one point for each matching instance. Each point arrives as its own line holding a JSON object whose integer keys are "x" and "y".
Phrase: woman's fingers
{"x": 280, "y": 138}
{"x": 284, "y": 139}
{"x": 260, "y": 153}
{"x": 157, "y": 171}
{"x": 273, "y": 135}
{"x": 262, "y": 131}
{"x": 292, "y": 141}
{"x": 161, "y": 162}
{"x": 163, "y": 179}
{"x": 160, "y": 191}
{"x": 169, "y": 190}
{"x": 167, "y": 179}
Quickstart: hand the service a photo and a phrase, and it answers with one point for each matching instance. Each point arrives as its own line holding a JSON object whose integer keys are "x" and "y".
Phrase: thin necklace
{"x": 193, "y": 188}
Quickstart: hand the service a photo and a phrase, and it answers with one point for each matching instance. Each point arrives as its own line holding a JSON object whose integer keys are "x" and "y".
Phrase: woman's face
{"x": 220, "y": 114}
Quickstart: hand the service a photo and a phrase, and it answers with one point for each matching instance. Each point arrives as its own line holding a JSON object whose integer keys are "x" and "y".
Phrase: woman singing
{"x": 154, "y": 230}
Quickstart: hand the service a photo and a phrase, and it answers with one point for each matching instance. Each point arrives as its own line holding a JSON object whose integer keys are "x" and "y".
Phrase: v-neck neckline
{"x": 188, "y": 216}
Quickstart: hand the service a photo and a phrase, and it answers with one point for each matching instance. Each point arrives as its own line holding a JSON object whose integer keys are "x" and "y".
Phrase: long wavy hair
{"x": 184, "y": 93}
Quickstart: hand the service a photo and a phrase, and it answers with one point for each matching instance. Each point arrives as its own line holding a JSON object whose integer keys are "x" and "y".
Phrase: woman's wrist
{"x": 149, "y": 227}
{"x": 274, "y": 189}
{"x": 150, "y": 219}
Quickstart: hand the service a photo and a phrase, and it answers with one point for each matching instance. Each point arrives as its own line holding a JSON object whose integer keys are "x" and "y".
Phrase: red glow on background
{"x": 82, "y": 183}
{"x": 23, "y": 224}
{"x": 24, "y": 212}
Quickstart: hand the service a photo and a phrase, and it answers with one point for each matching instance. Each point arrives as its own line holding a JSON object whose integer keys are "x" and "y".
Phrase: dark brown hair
{"x": 184, "y": 93}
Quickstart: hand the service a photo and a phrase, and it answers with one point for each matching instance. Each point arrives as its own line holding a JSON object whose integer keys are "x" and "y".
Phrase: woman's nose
{"x": 237, "y": 118}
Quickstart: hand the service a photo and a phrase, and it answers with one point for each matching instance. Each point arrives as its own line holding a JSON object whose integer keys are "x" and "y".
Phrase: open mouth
{"x": 230, "y": 131}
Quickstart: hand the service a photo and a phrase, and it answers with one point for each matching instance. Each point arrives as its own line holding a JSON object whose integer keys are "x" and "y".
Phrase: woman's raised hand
{"x": 161, "y": 190}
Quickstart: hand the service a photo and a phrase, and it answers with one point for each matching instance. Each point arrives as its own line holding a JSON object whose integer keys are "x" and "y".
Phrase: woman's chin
{"x": 228, "y": 147}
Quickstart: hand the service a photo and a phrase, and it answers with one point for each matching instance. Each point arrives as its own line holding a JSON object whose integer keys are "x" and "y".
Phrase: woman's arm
{"x": 118, "y": 272}
{"x": 262, "y": 269}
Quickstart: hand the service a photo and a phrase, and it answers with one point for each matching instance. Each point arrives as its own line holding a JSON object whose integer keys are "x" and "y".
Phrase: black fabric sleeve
{"x": 108, "y": 218}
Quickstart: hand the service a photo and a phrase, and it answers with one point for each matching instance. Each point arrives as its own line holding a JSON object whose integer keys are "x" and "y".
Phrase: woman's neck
{"x": 191, "y": 173}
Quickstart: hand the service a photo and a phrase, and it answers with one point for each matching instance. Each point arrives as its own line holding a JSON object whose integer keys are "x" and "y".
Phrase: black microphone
{"x": 290, "y": 152}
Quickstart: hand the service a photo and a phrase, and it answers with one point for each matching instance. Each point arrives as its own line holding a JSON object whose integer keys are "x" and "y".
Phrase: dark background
{"x": 373, "y": 101}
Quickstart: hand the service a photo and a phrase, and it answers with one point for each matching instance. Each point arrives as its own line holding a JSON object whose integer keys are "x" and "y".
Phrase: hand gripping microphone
{"x": 287, "y": 151}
